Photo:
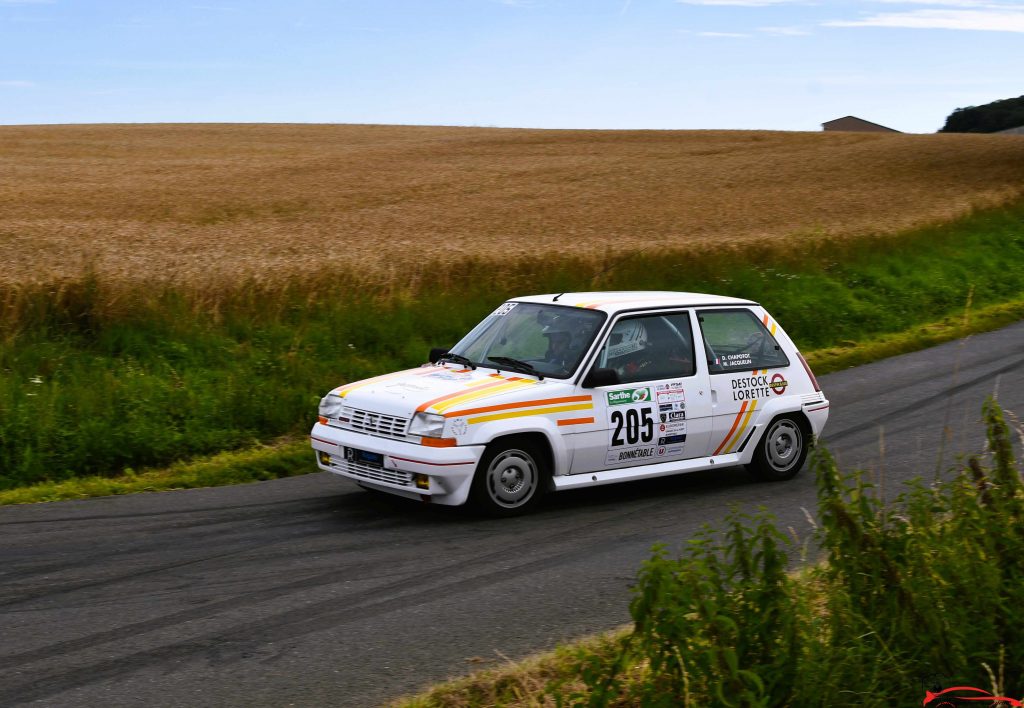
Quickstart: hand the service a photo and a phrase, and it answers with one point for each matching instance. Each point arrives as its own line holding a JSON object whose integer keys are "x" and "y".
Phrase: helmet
{"x": 628, "y": 336}
{"x": 559, "y": 340}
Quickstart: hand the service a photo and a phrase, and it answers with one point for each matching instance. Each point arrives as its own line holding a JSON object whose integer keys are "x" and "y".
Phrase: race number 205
{"x": 632, "y": 426}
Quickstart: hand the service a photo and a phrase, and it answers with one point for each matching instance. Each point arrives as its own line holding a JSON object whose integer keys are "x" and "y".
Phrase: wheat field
{"x": 207, "y": 204}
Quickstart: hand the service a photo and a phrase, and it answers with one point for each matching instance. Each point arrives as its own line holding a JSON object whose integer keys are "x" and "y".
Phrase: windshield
{"x": 550, "y": 338}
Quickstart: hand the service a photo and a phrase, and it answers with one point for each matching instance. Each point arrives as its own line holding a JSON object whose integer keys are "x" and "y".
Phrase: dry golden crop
{"x": 194, "y": 204}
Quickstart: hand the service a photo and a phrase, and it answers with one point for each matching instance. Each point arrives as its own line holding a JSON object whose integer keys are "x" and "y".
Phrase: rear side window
{"x": 735, "y": 340}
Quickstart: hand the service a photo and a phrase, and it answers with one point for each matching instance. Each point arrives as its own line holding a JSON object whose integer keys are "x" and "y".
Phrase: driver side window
{"x": 649, "y": 348}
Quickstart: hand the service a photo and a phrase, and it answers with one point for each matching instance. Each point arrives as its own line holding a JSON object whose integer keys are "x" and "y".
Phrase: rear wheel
{"x": 510, "y": 479}
{"x": 781, "y": 451}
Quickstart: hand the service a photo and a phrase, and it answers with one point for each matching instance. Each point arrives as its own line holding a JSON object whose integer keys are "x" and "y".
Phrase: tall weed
{"x": 928, "y": 592}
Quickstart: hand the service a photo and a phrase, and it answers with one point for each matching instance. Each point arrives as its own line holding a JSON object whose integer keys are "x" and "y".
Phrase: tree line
{"x": 989, "y": 118}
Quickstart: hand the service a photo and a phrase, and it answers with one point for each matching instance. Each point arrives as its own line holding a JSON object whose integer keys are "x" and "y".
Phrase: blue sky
{"x": 771, "y": 64}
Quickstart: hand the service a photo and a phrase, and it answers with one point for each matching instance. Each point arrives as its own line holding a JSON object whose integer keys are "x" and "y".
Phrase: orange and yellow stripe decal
{"x": 520, "y": 409}
{"x": 575, "y": 421}
{"x": 772, "y": 327}
{"x": 593, "y": 305}
{"x": 346, "y": 389}
{"x": 530, "y": 411}
{"x": 522, "y": 404}
{"x": 738, "y": 428}
{"x": 475, "y": 392}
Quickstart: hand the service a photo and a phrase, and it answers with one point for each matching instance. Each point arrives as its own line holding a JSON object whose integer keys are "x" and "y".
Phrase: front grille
{"x": 376, "y": 474}
{"x": 369, "y": 423}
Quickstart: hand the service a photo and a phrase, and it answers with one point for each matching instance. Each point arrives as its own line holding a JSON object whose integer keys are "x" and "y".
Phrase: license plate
{"x": 353, "y": 454}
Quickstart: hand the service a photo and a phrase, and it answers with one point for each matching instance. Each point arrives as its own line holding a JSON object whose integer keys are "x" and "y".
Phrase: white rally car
{"x": 575, "y": 390}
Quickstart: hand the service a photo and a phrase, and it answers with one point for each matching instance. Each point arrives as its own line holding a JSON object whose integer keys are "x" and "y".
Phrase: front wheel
{"x": 510, "y": 479}
{"x": 781, "y": 451}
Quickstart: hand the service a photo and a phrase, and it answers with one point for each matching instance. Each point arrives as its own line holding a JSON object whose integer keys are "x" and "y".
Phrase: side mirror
{"x": 601, "y": 377}
{"x": 436, "y": 353}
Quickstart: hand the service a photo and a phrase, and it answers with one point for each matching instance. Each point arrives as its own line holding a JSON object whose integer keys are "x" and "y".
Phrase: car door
{"x": 659, "y": 410}
{"x": 746, "y": 366}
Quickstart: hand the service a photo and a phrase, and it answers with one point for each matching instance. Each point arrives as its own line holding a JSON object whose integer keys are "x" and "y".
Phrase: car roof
{"x": 613, "y": 302}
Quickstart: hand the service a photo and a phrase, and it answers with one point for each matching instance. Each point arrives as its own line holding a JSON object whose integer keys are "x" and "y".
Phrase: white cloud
{"x": 742, "y": 3}
{"x": 721, "y": 34}
{"x": 951, "y": 3}
{"x": 784, "y": 31}
{"x": 16, "y": 84}
{"x": 1008, "y": 19}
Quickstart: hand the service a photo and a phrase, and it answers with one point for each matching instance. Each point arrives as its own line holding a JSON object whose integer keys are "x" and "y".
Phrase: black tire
{"x": 511, "y": 478}
{"x": 782, "y": 449}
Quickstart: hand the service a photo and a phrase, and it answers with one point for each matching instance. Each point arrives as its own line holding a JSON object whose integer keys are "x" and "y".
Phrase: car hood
{"x": 442, "y": 389}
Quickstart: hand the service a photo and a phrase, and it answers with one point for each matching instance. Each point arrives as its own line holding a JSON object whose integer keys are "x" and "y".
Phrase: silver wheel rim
{"x": 782, "y": 445}
{"x": 511, "y": 479}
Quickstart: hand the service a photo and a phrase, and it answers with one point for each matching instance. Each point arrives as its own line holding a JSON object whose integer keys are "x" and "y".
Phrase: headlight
{"x": 331, "y": 405}
{"x": 427, "y": 425}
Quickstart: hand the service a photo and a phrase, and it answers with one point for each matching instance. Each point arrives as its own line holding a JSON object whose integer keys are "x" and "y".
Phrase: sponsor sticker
{"x": 633, "y": 454}
{"x": 669, "y": 439}
{"x": 405, "y": 386}
{"x": 670, "y": 397}
{"x": 459, "y": 427}
{"x": 504, "y": 309}
{"x": 447, "y": 376}
{"x": 751, "y": 387}
{"x": 628, "y": 396}
{"x": 778, "y": 384}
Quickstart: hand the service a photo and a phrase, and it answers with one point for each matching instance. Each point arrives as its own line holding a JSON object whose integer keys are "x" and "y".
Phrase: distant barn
{"x": 857, "y": 125}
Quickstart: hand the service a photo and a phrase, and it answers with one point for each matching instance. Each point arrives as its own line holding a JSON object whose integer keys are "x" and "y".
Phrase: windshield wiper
{"x": 517, "y": 365}
{"x": 456, "y": 358}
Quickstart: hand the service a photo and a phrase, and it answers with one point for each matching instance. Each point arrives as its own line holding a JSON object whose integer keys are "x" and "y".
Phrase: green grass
{"x": 283, "y": 459}
{"x": 289, "y": 458}
{"x": 96, "y": 379}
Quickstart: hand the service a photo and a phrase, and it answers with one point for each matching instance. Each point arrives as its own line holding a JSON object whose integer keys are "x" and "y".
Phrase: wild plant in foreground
{"x": 928, "y": 591}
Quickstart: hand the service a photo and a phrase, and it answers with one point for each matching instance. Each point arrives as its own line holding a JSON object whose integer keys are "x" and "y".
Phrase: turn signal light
{"x": 422, "y": 481}
{"x": 438, "y": 442}
{"x": 325, "y": 459}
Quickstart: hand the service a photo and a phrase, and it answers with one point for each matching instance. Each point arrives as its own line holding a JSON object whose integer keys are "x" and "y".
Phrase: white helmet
{"x": 628, "y": 336}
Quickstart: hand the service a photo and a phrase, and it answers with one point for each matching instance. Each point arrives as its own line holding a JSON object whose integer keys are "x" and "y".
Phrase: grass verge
{"x": 291, "y": 457}
{"x": 286, "y": 458}
{"x": 520, "y": 683}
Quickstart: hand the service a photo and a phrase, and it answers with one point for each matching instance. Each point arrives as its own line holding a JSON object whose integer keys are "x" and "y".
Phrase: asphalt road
{"x": 308, "y": 591}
